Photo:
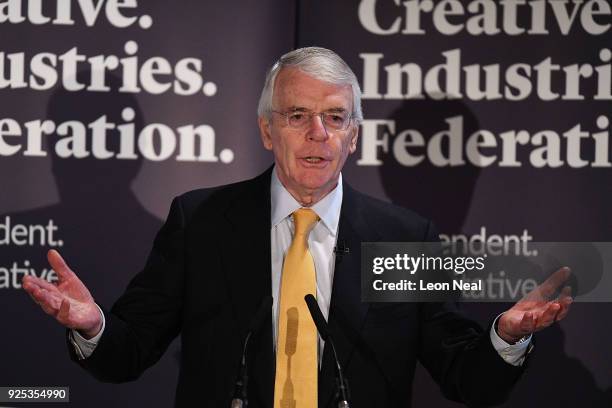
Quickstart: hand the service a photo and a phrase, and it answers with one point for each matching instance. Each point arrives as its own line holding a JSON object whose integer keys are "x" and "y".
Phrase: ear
{"x": 265, "y": 132}
{"x": 354, "y": 136}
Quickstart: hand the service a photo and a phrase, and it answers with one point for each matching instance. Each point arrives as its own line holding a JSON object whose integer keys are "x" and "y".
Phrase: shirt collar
{"x": 283, "y": 204}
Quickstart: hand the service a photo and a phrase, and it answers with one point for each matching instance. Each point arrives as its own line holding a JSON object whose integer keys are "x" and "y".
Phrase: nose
{"x": 317, "y": 131}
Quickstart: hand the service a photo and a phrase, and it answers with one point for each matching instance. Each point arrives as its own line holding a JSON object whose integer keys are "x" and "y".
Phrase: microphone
{"x": 342, "y": 392}
{"x": 341, "y": 249}
{"x": 240, "y": 399}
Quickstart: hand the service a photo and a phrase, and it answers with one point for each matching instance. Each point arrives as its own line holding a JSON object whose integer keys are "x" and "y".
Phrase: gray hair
{"x": 321, "y": 64}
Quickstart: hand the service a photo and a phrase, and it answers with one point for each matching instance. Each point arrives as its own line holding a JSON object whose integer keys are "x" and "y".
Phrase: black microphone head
{"x": 317, "y": 316}
{"x": 264, "y": 309}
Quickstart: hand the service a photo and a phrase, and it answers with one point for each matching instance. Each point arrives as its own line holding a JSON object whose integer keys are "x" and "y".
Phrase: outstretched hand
{"x": 536, "y": 311}
{"x": 69, "y": 301}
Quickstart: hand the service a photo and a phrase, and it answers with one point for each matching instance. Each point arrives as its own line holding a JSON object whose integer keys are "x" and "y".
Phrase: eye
{"x": 336, "y": 118}
{"x": 296, "y": 116}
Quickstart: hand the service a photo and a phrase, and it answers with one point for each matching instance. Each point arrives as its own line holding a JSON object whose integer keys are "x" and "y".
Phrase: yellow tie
{"x": 295, "y": 385}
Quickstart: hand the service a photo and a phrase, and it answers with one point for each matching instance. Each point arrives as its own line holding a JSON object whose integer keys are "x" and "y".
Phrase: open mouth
{"x": 313, "y": 159}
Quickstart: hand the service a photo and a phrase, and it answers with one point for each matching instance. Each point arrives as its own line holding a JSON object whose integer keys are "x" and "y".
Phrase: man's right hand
{"x": 69, "y": 301}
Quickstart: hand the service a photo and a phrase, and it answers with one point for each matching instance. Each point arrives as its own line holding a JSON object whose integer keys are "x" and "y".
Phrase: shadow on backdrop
{"x": 106, "y": 235}
{"x": 444, "y": 194}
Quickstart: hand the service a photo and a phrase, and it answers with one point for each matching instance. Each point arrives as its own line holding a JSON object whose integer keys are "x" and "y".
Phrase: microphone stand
{"x": 240, "y": 398}
{"x": 342, "y": 388}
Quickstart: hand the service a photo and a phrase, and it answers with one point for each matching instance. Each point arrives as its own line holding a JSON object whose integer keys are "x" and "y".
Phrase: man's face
{"x": 308, "y": 161}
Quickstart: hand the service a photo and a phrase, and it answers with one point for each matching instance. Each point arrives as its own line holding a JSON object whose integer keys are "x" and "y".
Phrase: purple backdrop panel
{"x": 108, "y": 110}
{"x": 493, "y": 119}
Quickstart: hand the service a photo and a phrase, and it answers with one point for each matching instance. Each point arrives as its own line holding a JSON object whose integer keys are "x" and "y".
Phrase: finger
{"x": 565, "y": 307}
{"x": 49, "y": 301}
{"x": 554, "y": 281}
{"x": 548, "y": 316}
{"x": 28, "y": 284}
{"x": 562, "y": 313}
{"x": 567, "y": 303}
{"x": 48, "y": 306}
{"x": 565, "y": 294}
{"x": 565, "y": 300}
{"x": 28, "y": 291}
{"x": 30, "y": 281}
{"x": 527, "y": 324}
{"x": 51, "y": 311}
{"x": 59, "y": 265}
{"x": 41, "y": 291}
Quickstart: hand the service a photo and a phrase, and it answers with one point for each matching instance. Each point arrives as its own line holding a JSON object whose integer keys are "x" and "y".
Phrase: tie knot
{"x": 304, "y": 219}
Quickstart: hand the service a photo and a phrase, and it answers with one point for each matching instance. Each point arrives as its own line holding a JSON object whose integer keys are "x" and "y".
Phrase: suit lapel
{"x": 347, "y": 313}
{"x": 247, "y": 261}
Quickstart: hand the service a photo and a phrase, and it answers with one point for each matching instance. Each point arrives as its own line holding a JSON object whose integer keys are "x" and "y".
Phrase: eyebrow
{"x": 302, "y": 109}
{"x": 337, "y": 110}
{"x": 295, "y": 108}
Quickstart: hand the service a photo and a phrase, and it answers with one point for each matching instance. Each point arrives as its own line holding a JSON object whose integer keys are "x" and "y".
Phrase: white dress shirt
{"x": 321, "y": 243}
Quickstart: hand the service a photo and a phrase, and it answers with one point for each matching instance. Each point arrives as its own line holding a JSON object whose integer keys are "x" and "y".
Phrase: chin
{"x": 315, "y": 183}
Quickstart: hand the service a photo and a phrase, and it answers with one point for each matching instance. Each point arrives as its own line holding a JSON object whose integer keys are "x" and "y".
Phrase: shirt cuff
{"x": 513, "y": 354}
{"x": 84, "y": 347}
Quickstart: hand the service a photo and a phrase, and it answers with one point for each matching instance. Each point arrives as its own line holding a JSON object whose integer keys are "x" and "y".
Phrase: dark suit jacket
{"x": 208, "y": 271}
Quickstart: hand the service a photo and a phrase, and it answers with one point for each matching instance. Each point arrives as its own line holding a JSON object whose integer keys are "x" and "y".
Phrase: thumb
{"x": 64, "y": 313}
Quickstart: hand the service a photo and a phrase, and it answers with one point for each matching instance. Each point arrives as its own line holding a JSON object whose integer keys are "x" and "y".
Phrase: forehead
{"x": 296, "y": 89}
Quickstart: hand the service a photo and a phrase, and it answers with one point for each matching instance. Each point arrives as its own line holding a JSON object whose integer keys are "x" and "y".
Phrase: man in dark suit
{"x": 222, "y": 250}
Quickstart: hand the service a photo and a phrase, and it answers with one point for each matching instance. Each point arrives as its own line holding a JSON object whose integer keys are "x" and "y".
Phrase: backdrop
{"x": 490, "y": 117}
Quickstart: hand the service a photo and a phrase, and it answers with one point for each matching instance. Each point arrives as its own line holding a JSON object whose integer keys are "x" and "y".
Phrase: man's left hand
{"x": 535, "y": 311}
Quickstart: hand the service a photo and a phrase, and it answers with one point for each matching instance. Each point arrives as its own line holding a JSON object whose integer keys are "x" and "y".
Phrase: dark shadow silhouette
{"x": 104, "y": 234}
{"x": 444, "y": 194}
{"x": 607, "y": 397}
{"x": 556, "y": 379}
